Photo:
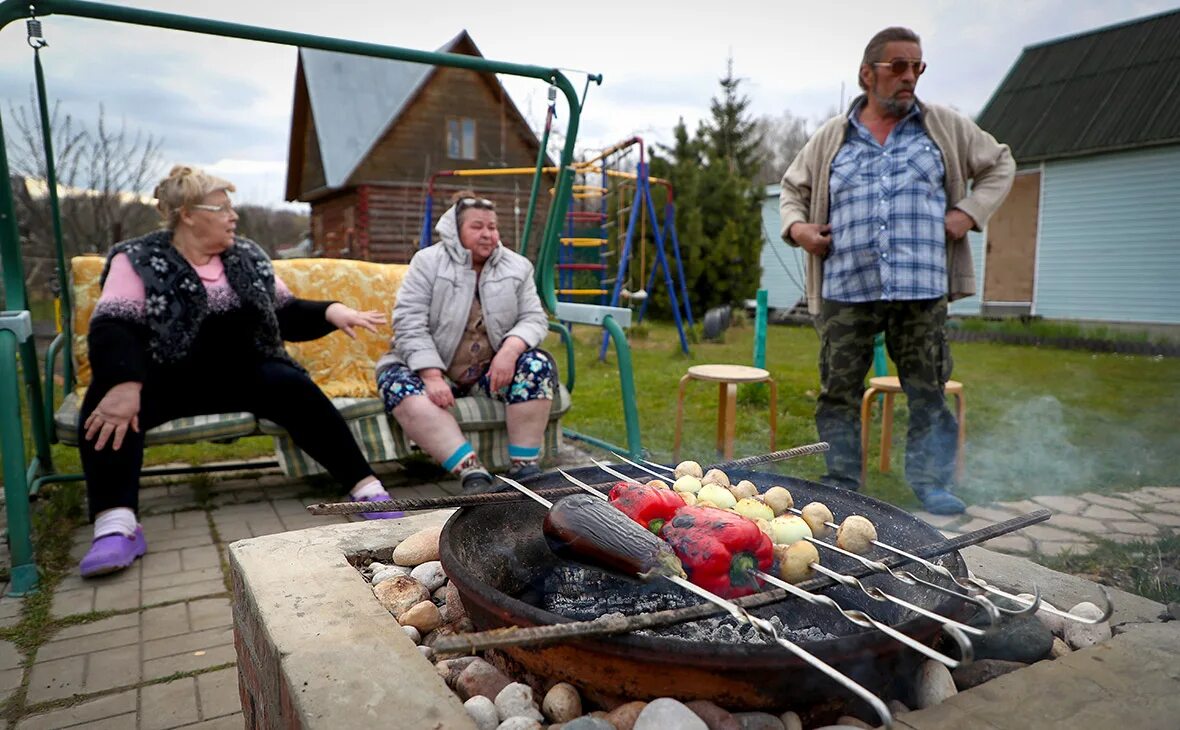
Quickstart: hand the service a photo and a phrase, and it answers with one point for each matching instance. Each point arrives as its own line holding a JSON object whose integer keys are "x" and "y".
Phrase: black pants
{"x": 269, "y": 389}
{"x": 916, "y": 341}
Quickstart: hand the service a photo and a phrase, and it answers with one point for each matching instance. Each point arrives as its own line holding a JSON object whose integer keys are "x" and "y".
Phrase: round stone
{"x": 482, "y": 712}
{"x": 934, "y": 684}
{"x": 1079, "y": 635}
{"x": 421, "y": 547}
{"x": 562, "y": 703}
{"x": 516, "y": 700}
{"x": 430, "y": 574}
{"x": 387, "y": 572}
{"x": 422, "y": 616}
{"x": 398, "y": 594}
{"x": 665, "y": 713}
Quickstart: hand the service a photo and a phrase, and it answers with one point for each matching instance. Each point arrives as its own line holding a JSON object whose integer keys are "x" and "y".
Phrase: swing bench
{"x": 23, "y": 474}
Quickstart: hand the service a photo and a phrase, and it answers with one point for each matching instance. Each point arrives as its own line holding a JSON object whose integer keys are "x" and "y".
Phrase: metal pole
{"x": 17, "y": 299}
{"x": 15, "y": 328}
{"x": 626, "y": 385}
{"x": 13, "y": 9}
{"x": 63, "y": 280}
{"x": 760, "y": 330}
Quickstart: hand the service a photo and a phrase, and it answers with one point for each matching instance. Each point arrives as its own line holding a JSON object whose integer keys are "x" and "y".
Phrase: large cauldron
{"x": 495, "y": 554}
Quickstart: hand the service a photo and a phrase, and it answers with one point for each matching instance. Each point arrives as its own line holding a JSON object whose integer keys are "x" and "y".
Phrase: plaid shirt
{"x": 888, "y": 216}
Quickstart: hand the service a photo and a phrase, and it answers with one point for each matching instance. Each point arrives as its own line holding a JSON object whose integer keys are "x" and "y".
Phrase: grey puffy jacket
{"x": 435, "y": 300}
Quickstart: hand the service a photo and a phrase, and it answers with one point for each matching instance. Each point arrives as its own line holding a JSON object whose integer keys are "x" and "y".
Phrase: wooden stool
{"x": 727, "y": 377}
{"x": 889, "y": 385}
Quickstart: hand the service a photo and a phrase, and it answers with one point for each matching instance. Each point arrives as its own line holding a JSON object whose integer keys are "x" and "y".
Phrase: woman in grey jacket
{"x": 468, "y": 319}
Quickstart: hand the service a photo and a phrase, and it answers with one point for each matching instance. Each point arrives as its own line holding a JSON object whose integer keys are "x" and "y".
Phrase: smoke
{"x": 1029, "y": 452}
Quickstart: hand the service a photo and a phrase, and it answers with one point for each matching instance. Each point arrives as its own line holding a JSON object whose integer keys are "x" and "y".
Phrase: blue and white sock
{"x": 523, "y": 455}
{"x": 464, "y": 461}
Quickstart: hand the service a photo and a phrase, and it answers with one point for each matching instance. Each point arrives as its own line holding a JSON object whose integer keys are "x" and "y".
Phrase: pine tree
{"x": 718, "y": 203}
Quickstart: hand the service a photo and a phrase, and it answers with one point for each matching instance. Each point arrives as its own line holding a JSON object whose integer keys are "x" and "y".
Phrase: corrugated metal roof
{"x": 1109, "y": 89}
{"x": 353, "y": 99}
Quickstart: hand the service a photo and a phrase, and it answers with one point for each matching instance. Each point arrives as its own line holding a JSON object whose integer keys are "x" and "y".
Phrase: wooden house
{"x": 1091, "y": 229}
{"x": 368, "y": 134}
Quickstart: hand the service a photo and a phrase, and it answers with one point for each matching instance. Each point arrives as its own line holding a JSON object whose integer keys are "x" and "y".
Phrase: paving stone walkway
{"x": 1147, "y": 514}
{"x": 152, "y": 648}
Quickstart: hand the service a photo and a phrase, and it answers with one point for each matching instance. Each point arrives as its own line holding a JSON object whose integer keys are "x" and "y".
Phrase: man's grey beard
{"x": 894, "y": 107}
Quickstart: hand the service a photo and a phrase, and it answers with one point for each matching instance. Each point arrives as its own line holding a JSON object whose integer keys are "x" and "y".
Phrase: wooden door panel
{"x": 1010, "y": 265}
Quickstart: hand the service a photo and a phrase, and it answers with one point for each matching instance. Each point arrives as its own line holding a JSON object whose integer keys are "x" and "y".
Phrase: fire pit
{"x": 317, "y": 650}
{"x": 497, "y": 557}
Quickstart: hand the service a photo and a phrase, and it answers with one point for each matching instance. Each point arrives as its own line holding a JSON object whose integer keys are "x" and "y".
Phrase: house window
{"x": 461, "y": 138}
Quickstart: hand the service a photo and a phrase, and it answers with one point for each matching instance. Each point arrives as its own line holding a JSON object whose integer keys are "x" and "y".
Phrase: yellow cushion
{"x": 342, "y": 367}
{"x": 84, "y": 275}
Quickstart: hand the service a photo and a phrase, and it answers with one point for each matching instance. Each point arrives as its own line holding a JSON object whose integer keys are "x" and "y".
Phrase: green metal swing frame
{"x": 24, "y": 475}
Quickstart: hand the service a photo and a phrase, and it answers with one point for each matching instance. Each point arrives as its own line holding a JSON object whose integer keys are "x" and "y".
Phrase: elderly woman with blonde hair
{"x": 191, "y": 321}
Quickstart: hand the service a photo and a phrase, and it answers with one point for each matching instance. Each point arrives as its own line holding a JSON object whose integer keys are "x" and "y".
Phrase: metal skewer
{"x": 864, "y": 620}
{"x": 859, "y": 618}
{"x": 990, "y": 609}
{"x": 743, "y": 616}
{"x": 971, "y": 583}
{"x": 607, "y": 625}
{"x": 806, "y": 450}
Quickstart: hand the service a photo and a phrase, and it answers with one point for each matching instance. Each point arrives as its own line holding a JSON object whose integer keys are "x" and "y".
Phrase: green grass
{"x": 1039, "y": 421}
{"x": 1150, "y": 569}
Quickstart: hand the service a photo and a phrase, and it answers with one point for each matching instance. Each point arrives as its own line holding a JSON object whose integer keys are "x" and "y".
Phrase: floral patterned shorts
{"x": 535, "y": 378}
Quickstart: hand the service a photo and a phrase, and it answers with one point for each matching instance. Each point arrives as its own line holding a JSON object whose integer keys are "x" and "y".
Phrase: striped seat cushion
{"x": 484, "y": 414}
{"x": 380, "y": 439}
{"x": 216, "y": 427}
{"x": 350, "y": 408}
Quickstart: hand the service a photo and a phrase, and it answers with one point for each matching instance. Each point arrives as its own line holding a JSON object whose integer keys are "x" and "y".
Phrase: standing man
{"x": 878, "y": 198}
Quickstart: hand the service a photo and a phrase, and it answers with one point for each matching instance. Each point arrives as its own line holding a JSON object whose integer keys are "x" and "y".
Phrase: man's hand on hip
{"x": 958, "y": 223}
{"x": 813, "y": 238}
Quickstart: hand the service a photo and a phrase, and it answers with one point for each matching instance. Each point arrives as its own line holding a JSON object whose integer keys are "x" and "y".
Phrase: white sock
{"x": 372, "y": 487}
{"x": 117, "y": 519}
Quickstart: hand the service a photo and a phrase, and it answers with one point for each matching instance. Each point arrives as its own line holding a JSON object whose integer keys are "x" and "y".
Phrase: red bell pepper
{"x": 718, "y": 549}
{"x": 649, "y": 506}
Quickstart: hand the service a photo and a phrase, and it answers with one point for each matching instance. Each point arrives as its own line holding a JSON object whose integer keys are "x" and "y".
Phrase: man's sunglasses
{"x": 899, "y": 65}
{"x": 483, "y": 203}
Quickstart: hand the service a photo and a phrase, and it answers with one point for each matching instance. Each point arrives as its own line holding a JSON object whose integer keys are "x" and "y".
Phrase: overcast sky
{"x": 226, "y": 104}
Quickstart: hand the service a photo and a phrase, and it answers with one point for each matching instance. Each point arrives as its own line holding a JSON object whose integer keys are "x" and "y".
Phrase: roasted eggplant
{"x": 590, "y": 530}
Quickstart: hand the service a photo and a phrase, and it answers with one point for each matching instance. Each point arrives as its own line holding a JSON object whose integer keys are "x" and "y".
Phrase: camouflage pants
{"x": 916, "y": 341}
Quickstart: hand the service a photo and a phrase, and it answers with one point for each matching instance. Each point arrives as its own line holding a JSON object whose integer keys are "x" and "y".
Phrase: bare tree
{"x": 102, "y": 173}
{"x": 120, "y": 166}
{"x": 271, "y": 228}
{"x": 782, "y": 138}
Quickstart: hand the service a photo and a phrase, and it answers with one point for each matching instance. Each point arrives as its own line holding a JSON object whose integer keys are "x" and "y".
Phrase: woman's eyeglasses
{"x": 223, "y": 208}
{"x": 899, "y": 65}
{"x": 483, "y": 203}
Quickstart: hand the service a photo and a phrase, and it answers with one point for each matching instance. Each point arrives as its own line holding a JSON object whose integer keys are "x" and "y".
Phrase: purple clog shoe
{"x": 112, "y": 553}
{"x": 383, "y": 497}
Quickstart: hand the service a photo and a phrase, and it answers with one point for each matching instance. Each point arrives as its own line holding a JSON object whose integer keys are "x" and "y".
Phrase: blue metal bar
{"x": 659, "y": 241}
{"x": 670, "y": 223}
{"x": 624, "y": 259}
{"x": 427, "y": 220}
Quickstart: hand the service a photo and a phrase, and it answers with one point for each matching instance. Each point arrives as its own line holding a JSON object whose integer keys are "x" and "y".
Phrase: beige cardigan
{"x": 968, "y": 153}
